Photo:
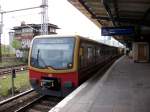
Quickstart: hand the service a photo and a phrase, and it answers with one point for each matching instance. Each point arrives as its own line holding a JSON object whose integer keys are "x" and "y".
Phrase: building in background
{"x": 26, "y": 32}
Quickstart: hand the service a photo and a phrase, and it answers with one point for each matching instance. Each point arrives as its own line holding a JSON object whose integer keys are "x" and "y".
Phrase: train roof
{"x": 53, "y": 36}
{"x": 76, "y": 36}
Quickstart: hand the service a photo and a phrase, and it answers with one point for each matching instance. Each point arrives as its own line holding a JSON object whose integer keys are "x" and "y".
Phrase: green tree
{"x": 16, "y": 44}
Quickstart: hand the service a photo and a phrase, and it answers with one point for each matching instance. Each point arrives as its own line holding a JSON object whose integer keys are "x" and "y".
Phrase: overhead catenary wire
{"x": 44, "y": 25}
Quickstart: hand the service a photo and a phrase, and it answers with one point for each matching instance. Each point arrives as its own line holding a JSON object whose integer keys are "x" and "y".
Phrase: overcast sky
{"x": 60, "y": 12}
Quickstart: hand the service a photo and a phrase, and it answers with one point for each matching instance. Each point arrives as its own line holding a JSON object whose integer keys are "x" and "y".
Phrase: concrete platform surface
{"x": 125, "y": 87}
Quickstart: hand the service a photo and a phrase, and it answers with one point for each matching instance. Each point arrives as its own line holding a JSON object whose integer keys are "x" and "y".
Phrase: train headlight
{"x": 70, "y": 65}
{"x": 41, "y": 83}
{"x": 50, "y": 75}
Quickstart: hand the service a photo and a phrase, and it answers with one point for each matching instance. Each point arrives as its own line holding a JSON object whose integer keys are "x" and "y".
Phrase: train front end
{"x": 53, "y": 65}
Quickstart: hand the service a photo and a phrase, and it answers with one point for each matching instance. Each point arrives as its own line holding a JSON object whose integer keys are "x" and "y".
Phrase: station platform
{"x": 125, "y": 87}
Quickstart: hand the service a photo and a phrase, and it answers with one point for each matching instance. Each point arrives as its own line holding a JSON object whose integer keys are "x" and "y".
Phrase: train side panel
{"x": 93, "y": 56}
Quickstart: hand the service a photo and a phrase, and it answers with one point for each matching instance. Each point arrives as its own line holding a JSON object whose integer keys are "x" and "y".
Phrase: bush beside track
{"x": 21, "y": 84}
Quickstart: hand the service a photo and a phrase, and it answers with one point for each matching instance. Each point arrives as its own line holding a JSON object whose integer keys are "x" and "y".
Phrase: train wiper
{"x": 39, "y": 58}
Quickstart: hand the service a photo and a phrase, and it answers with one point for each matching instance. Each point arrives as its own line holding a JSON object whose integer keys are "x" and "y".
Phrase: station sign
{"x": 112, "y": 31}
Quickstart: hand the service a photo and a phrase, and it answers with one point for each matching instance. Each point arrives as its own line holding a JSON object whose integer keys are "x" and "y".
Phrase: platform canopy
{"x": 118, "y": 13}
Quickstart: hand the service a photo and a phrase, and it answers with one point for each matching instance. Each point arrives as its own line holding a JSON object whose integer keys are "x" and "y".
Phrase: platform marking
{"x": 61, "y": 104}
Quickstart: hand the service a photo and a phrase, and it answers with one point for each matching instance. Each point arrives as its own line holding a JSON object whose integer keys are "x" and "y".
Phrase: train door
{"x": 141, "y": 52}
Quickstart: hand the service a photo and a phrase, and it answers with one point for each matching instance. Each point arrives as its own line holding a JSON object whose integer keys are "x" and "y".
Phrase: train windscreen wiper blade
{"x": 39, "y": 58}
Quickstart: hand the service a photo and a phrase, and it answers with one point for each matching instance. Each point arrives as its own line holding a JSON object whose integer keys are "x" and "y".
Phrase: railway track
{"x": 8, "y": 70}
{"x": 29, "y": 101}
{"x": 36, "y": 104}
{"x": 13, "y": 103}
{"x": 41, "y": 104}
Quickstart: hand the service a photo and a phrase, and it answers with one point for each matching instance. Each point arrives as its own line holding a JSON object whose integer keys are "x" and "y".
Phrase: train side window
{"x": 98, "y": 52}
{"x": 83, "y": 55}
{"x": 89, "y": 54}
{"x": 94, "y": 51}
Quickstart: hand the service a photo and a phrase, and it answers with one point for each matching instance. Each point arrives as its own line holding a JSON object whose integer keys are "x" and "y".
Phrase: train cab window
{"x": 56, "y": 53}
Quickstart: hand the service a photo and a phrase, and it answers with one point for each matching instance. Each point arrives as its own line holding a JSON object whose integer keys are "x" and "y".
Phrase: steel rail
{"x": 24, "y": 108}
{"x": 15, "y": 97}
{"x": 9, "y": 70}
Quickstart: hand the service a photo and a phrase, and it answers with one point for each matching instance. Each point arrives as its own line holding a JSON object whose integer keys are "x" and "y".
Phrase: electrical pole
{"x": 44, "y": 17}
{"x": 44, "y": 7}
{"x": 1, "y": 31}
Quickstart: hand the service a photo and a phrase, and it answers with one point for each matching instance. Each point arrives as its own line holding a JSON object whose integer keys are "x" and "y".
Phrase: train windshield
{"x": 52, "y": 52}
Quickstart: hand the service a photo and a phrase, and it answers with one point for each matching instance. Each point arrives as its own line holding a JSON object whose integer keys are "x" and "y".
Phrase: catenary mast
{"x": 44, "y": 22}
{"x": 44, "y": 18}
